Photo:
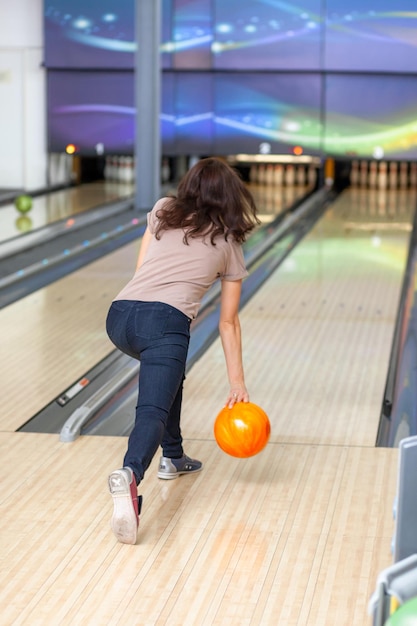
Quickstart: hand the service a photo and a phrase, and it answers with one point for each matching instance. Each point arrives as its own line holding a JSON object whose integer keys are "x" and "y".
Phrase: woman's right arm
{"x": 230, "y": 333}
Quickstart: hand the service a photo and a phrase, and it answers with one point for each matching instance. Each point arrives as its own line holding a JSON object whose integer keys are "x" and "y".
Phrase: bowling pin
{"x": 253, "y": 174}
{"x": 131, "y": 169}
{"x": 269, "y": 174}
{"x": 382, "y": 175}
{"x": 122, "y": 171}
{"x": 300, "y": 177}
{"x": 373, "y": 174}
{"x": 118, "y": 167}
{"x": 261, "y": 174}
{"x": 312, "y": 175}
{"x": 278, "y": 175}
{"x": 289, "y": 175}
{"x": 363, "y": 175}
{"x": 112, "y": 168}
{"x": 403, "y": 174}
{"x": 354, "y": 173}
{"x": 393, "y": 175}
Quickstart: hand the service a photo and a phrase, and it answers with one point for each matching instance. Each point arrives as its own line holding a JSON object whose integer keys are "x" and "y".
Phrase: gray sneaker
{"x": 171, "y": 468}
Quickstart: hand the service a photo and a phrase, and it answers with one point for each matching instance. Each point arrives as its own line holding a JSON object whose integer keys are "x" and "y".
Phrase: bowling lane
{"x": 52, "y": 337}
{"x": 59, "y": 205}
{"x": 317, "y": 336}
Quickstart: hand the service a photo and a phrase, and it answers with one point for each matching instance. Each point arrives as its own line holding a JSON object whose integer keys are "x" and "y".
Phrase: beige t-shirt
{"x": 180, "y": 274}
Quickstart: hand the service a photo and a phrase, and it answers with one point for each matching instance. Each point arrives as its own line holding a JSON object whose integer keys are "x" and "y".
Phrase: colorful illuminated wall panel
{"x": 365, "y": 35}
{"x": 371, "y": 116}
{"x": 336, "y": 76}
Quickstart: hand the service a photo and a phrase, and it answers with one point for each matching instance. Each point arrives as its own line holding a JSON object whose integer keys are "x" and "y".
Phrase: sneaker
{"x": 127, "y": 505}
{"x": 171, "y": 468}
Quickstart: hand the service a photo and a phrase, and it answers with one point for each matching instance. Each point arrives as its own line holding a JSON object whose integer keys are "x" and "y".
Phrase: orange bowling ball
{"x": 243, "y": 430}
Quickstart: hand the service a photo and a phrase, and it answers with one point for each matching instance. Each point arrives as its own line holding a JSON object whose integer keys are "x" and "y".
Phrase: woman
{"x": 192, "y": 239}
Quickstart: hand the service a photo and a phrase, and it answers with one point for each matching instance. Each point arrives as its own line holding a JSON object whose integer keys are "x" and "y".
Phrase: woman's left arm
{"x": 147, "y": 236}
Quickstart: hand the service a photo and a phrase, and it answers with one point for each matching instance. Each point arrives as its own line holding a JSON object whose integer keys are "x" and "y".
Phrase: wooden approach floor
{"x": 295, "y": 536}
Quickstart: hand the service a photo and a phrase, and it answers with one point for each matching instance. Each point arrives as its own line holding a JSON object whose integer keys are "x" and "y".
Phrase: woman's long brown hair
{"x": 211, "y": 200}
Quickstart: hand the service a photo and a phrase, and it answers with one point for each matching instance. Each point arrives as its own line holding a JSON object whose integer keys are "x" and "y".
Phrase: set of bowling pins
{"x": 383, "y": 175}
{"x": 280, "y": 174}
{"x": 120, "y": 169}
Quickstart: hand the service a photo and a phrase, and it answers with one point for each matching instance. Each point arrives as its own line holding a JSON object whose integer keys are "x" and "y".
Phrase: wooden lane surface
{"x": 51, "y": 338}
{"x": 294, "y": 536}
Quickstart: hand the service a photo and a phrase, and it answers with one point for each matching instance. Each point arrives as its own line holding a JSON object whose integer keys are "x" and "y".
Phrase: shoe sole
{"x": 124, "y": 522}
{"x": 167, "y": 476}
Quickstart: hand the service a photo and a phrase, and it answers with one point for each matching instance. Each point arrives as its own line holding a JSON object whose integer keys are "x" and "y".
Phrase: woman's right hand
{"x": 237, "y": 393}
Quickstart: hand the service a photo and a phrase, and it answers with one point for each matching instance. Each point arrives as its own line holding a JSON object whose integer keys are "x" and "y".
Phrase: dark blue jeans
{"x": 158, "y": 335}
